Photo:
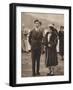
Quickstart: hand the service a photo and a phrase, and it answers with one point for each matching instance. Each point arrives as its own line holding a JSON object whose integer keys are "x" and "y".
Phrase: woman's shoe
{"x": 48, "y": 74}
{"x": 52, "y": 73}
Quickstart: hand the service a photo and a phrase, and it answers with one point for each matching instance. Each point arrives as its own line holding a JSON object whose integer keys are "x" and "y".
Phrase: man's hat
{"x": 37, "y": 21}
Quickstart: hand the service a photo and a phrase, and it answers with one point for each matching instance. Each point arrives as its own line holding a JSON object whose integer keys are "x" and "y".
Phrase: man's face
{"x": 37, "y": 24}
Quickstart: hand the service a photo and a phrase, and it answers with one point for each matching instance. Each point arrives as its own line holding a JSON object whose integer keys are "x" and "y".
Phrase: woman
{"x": 51, "y": 52}
{"x": 61, "y": 41}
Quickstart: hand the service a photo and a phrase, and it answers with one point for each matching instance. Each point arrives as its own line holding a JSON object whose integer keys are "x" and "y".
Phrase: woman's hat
{"x": 51, "y": 25}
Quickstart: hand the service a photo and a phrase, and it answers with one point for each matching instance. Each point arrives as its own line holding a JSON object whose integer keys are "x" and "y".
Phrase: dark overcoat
{"x": 61, "y": 42}
{"x": 51, "y": 52}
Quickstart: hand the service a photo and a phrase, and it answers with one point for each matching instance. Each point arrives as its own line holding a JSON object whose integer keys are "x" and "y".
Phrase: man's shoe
{"x": 38, "y": 74}
{"x": 33, "y": 75}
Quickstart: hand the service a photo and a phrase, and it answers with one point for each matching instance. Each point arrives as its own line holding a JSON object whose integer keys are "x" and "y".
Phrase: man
{"x": 35, "y": 40}
{"x": 51, "y": 52}
{"x": 61, "y": 41}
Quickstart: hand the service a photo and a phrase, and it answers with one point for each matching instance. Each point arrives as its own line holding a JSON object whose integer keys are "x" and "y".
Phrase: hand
{"x": 42, "y": 51}
{"x": 49, "y": 45}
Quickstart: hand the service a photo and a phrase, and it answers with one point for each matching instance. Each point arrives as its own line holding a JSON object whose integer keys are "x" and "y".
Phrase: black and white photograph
{"x": 40, "y": 44}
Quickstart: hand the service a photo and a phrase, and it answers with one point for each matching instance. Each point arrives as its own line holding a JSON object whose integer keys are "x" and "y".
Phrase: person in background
{"x": 50, "y": 49}
{"x": 61, "y": 42}
{"x": 35, "y": 40}
{"x": 24, "y": 39}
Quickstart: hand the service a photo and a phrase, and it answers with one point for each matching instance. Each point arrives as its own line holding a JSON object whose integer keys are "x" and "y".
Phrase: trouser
{"x": 36, "y": 53}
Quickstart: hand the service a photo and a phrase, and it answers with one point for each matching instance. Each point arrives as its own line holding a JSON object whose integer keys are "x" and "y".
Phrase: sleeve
{"x": 56, "y": 37}
{"x": 30, "y": 37}
{"x": 45, "y": 39}
{"x": 54, "y": 40}
{"x": 42, "y": 44}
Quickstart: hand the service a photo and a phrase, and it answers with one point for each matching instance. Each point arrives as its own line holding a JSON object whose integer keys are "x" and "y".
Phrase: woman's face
{"x": 50, "y": 30}
{"x": 61, "y": 29}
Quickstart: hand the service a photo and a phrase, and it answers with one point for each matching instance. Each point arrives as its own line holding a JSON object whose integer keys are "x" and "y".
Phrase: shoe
{"x": 48, "y": 74}
{"x": 52, "y": 74}
{"x": 38, "y": 74}
{"x": 33, "y": 75}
